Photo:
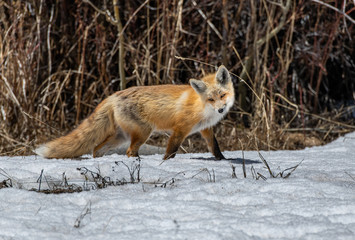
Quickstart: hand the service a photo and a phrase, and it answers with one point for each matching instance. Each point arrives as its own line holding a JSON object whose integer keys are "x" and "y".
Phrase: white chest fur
{"x": 210, "y": 118}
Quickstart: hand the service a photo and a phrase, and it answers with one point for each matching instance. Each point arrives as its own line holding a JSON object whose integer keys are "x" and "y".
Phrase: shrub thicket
{"x": 60, "y": 58}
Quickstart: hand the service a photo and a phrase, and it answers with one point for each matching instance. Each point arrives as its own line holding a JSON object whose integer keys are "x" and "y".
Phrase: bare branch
{"x": 107, "y": 13}
{"x": 208, "y": 21}
{"x": 335, "y": 9}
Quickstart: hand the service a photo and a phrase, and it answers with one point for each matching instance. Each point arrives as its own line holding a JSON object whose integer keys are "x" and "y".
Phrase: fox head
{"x": 216, "y": 90}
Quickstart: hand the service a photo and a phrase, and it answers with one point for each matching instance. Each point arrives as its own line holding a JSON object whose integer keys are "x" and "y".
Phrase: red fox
{"x": 132, "y": 114}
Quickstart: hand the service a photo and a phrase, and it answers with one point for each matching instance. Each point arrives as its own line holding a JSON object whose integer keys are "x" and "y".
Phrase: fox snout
{"x": 221, "y": 109}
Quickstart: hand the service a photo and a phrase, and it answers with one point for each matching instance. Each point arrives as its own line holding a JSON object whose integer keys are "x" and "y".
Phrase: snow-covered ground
{"x": 189, "y": 197}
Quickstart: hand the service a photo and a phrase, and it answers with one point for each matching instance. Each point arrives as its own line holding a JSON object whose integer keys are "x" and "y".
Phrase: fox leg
{"x": 100, "y": 146}
{"x": 212, "y": 143}
{"x": 111, "y": 142}
{"x": 137, "y": 140}
{"x": 174, "y": 143}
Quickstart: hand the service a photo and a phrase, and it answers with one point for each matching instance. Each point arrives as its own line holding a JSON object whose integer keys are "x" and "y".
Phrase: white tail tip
{"x": 42, "y": 151}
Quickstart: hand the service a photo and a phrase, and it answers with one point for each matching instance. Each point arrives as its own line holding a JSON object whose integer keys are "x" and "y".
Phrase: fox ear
{"x": 199, "y": 86}
{"x": 222, "y": 75}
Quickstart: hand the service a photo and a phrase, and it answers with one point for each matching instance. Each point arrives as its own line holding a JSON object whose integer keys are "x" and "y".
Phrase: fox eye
{"x": 210, "y": 100}
{"x": 223, "y": 95}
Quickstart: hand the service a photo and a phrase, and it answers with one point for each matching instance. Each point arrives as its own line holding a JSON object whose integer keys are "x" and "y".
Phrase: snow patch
{"x": 176, "y": 199}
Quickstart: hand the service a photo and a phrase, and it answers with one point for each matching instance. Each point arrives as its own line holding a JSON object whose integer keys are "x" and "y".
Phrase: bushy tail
{"x": 82, "y": 140}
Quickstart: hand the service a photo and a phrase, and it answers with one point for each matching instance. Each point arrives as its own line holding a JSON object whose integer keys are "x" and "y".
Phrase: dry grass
{"x": 292, "y": 61}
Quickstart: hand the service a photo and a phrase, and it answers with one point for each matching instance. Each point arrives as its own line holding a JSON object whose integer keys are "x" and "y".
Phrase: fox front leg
{"x": 174, "y": 143}
{"x": 212, "y": 143}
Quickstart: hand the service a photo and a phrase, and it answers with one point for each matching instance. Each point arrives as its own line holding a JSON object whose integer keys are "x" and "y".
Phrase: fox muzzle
{"x": 222, "y": 109}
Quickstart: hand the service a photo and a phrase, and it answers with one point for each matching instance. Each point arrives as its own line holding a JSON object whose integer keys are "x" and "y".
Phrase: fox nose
{"x": 221, "y": 110}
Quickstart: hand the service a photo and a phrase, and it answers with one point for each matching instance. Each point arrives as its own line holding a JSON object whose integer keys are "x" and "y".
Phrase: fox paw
{"x": 131, "y": 153}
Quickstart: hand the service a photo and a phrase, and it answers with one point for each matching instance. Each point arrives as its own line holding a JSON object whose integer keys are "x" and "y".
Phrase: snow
{"x": 188, "y": 197}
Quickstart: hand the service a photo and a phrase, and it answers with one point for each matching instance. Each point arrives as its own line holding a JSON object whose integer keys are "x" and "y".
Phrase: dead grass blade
{"x": 288, "y": 171}
{"x": 84, "y": 212}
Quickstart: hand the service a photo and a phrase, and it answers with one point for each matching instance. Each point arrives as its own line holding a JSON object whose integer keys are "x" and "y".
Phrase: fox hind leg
{"x": 111, "y": 142}
{"x": 138, "y": 138}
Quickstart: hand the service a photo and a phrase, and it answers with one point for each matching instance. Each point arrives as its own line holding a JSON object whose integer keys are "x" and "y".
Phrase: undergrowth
{"x": 93, "y": 179}
{"x": 292, "y": 64}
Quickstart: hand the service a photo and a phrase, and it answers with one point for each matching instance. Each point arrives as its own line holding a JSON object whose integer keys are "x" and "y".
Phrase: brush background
{"x": 59, "y": 59}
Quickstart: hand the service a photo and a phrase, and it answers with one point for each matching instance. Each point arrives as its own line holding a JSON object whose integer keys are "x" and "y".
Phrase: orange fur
{"x": 132, "y": 114}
